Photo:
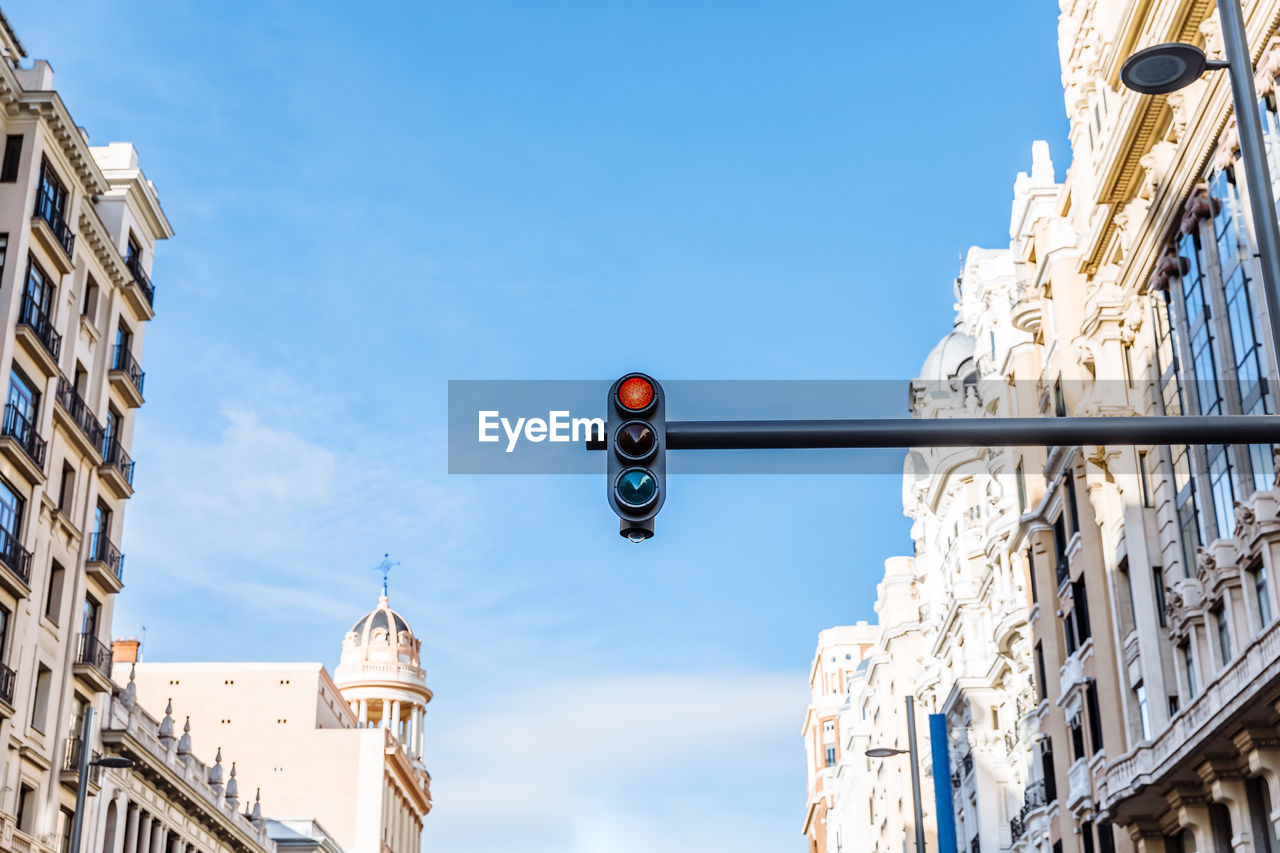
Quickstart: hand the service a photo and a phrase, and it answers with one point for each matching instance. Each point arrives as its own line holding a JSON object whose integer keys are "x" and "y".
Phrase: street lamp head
{"x": 1165, "y": 68}
{"x": 118, "y": 762}
{"x": 884, "y": 752}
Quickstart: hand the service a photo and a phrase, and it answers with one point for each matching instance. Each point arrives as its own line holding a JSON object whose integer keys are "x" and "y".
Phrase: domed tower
{"x": 381, "y": 676}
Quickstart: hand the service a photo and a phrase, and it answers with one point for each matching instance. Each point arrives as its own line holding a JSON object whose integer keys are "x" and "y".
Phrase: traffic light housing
{"x": 636, "y": 431}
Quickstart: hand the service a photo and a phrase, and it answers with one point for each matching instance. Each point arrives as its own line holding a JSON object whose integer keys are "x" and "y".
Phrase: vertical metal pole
{"x": 82, "y": 782}
{"x": 1253, "y": 153}
{"x": 915, "y": 773}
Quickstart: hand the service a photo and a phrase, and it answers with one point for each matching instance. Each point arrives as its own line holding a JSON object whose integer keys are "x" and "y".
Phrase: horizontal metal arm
{"x": 972, "y": 432}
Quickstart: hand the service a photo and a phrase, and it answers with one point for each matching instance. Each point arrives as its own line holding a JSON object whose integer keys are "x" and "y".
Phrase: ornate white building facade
{"x": 1150, "y": 610}
{"x": 346, "y": 750}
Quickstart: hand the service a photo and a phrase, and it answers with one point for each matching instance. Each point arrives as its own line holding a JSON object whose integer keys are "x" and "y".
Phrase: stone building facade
{"x": 79, "y": 226}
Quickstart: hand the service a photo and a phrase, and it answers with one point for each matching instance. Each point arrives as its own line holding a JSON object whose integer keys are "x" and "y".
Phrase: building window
{"x": 1060, "y": 549}
{"x": 1132, "y": 609}
{"x": 67, "y": 489}
{"x": 89, "y": 309}
{"x": 1077, "y": 738}
{"x": 1072, "y": 506}
{"x": 1059, "y": 401}
{"x": 1144, "y": 480}
{"x": 1095, "y": 715}
{"x": 1258, "y": 576}
{"x": 53, "y": 596}
{"x": 132, "y": 250}
{"x": 1144, "y": 714}
{"x": 1189, "y": 670}
{"x": 1106, "y": 840}
{"x": 40, "y": 702}
{"x": 1031, "y": 577}
{"x": 1080, "y": 610}
{"x": 1157, "y": 581}
{"x": 1020, "y": 476}
{"x": 26, "y": 816}
{"x": 1086, "y": 836}
{"x": 12, "y": 157}
{"x": 1224, "y": 633}
{"x": 831, "y": 755}
{"x": 6, "y": 619}
{"x": 51, "y": 195}
{"x": 1174, "y": 705}
{"x": 89, "y": 616}
{"x": 66, "y": 820}
{"x": 1046, "y": 770}
{"x": 1041, "y": 686}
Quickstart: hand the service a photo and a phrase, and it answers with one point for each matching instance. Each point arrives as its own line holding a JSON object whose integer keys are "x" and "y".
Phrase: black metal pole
{"x": 82, "y": 781}
{"x": 1253, "y": 152}
{"x": 971, "y": 432}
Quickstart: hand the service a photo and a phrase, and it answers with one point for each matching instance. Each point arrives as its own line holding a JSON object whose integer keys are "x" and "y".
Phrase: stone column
{"x": 160, "y": 834}
{"x": 122, "y": 814}
{"x": 422, "y": 720}
{"x": 144, "y": 834}
{"x": 1226, "y": 786}
{"x": 1261, "y": 749}
{"x": 131, "y": 830}
{"x": 1148, "y": 838}
{"x": 362, "y": 712}
{"x": 395, "y": 721}
{"x": 1192, "y": 810}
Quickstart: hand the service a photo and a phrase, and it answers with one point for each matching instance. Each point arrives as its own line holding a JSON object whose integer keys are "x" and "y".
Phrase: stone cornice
{"x": 49, "y": 107}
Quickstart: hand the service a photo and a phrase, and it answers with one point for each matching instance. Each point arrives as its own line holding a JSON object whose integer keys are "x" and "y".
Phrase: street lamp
{"x": 1166, "y": 68}
{"x": 888, "y": 751}
{"x": 116, "y": 761}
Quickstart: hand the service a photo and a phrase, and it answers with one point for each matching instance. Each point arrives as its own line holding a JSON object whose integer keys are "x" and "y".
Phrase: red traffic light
{"x": 635, "y": 394}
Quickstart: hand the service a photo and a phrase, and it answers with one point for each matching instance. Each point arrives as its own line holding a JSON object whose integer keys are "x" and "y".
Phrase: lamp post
{"x": 886, "y": 752}
{"x": 82, "y": 781}
{"x": 1166, "y": 68}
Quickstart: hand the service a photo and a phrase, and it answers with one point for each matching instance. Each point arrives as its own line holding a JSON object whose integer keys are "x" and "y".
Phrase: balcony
{"x": 1079, "y": 786}
{"x": 69, "y": 771}
{"x": 126, "y": 376}
{"x": 93, "y": 662}
{"x": 36, "y": 334}
{"x": 143, "y": 283}
{"x": 88, "y": 433}
{"x": 1070, "y": 676}
{"x": 7, "y": 679}
{"x": 105, "y": 562}
{"x": 51, "y": 229}
{"x": 15, "y": 565}
{"x": 23, "y": 446}
{"x": 116, "y": 468}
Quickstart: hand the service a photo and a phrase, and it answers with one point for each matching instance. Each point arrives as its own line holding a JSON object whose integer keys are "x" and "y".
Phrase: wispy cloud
{"x": 620, "y": 764}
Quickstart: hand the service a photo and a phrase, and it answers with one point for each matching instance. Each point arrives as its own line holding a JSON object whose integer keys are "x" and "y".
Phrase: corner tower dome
{"x": 380, "y": 675}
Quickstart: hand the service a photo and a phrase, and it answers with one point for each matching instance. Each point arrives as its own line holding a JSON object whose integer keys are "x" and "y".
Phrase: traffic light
{"x": 636, "y": 427}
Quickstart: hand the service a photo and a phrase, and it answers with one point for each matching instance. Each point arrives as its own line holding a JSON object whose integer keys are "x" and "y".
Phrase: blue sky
{"x": 372, "y": 199}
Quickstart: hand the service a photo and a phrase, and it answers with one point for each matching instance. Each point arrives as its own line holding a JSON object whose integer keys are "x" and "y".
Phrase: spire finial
{"x": 184, "y": 743}
{"x": 233, "y": 789}
{"x": 385, "y": 567}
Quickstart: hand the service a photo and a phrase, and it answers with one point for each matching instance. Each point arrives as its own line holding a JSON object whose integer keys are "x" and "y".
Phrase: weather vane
{"x": 385, "y": 567}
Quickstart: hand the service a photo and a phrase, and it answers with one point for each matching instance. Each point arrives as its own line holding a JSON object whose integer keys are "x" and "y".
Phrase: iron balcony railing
{"x": 7, "y": 679}
{"x": 16, "y": 558}
{"x": 115, "y": 456}
{"x": 21, "y": 429}
{"x": 95, "y": 653}
{"x": 134, "y": 264}
{"x": 103, "y": 550}
{"x": 79, "y": 411}
{"x": 47, "y": 209}
{"x": 71, "y": 759}
{"x": 35, "y": 316}
{"x": 124, "y": 360}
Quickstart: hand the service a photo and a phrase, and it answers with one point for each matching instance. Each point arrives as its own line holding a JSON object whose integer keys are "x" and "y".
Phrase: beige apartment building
{"x": 342, "y": 751}
{"x": 78, "y": 231}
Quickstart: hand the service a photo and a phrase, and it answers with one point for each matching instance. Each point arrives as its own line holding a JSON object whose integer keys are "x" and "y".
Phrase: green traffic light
{"x": 636, "y": 488}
